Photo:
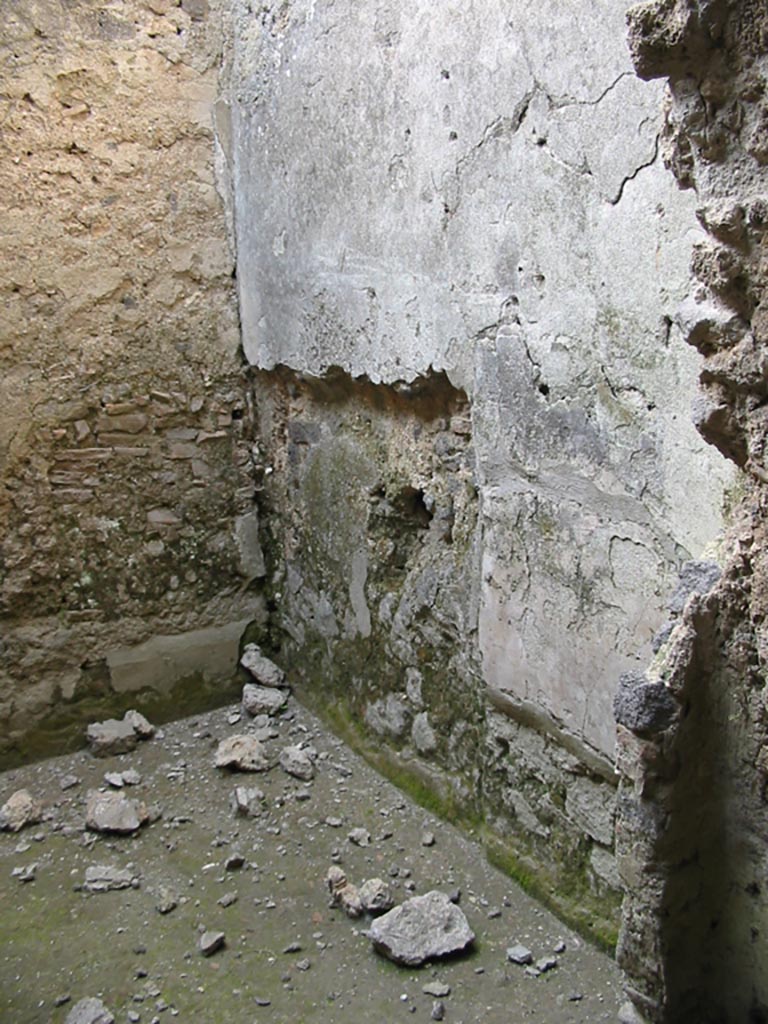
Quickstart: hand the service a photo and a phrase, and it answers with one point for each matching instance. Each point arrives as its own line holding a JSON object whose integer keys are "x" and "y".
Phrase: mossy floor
{"x": 57, "y": 941}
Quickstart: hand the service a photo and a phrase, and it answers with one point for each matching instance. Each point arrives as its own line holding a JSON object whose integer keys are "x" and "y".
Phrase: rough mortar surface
{"x": 692, "y": 821}
{"x": 124, "y": 435}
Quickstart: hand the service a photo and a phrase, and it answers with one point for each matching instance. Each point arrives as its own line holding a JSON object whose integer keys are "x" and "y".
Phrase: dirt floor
{"x": 288, "y": 957}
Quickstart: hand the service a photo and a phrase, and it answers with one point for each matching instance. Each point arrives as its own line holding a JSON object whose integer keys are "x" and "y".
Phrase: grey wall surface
{"x": 477, "y": 188}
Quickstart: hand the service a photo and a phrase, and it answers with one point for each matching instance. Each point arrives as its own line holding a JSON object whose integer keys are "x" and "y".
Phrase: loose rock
{"x": 211, "y": 942}
{"x": 297, "y": 762}
{"x": 111, "y": 737}
{"x": 423, "y": 928}
{"x": 262, "y": 700}
{"x": 26, "y": 873}
{"x": 243, "y": 753}
{"x": 546, "y": 963}
{"x": 167, "y": 900}
{"x": 438, "y": 989}
{"x": 248, "y": 802}
{"x": 104, "y": 877}
{"x": 261, "y": 668}
{"x": 19, "y": 810}
{"x": 376, "y": 896}
{"x": 343, "y": 893}
{"x": 360, "y": 837}
{"x": 519, "y": 955}
{"x": 89, "y": 1011}
{"x": 114, "y": 812}
{"x": 143, "y": 729}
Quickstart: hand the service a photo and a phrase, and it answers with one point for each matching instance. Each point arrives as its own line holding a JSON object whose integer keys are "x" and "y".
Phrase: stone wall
{"x": 471, "y": 207}
{"x": 692, "y": 826}
{"x": 454, "y": 489}
{"x": 124, "y": 432}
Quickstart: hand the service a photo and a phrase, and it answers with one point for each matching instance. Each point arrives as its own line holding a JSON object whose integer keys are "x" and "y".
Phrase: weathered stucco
{"x": 124, "y": 435}
{"x": 445, "y": 473}
{"x": 692, "y": 825}
{"x": 479, "y": 195}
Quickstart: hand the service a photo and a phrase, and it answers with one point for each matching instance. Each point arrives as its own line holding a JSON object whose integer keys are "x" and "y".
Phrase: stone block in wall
{"x": 591, "y": 806}
{"x": 247, "y": 538}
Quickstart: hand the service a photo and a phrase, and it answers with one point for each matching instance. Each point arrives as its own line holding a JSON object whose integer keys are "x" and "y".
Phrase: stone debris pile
{"x": 269, "y": 694}
{"x": 231, "y": 891}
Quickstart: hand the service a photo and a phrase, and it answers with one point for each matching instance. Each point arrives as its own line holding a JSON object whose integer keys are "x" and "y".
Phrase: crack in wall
{"x": 615, "y": 200}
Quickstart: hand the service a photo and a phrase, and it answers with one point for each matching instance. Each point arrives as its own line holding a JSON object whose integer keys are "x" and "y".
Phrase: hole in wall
{"x": 410, "y": 505}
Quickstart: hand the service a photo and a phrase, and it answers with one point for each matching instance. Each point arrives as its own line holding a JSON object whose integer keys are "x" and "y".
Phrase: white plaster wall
{"x": 476, "y": 187}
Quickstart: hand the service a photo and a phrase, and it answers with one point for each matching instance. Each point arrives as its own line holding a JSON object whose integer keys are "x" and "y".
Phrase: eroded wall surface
{"x": 692, "y": 825}
{"x": 124, "y": 432}
{"x": 475, "y": 195}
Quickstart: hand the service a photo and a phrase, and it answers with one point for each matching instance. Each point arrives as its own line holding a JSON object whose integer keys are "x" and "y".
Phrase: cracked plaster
{"x": 482, "y": 194}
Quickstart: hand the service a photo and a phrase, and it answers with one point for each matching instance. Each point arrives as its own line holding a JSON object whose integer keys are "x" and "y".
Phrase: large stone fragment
{"x": 242, "y": 753}
{"x": 114, "y": 812}
{"x": 211, "y": 942}
{"x": 264, "y": 671}
{"x": 343, "y": 893}
{"x": 118, "y": 737}
{"x": 642, "y": 706}
{"x": 421, "y": 929}
{"x": 376, "y": 896}
{"x": 140, "y": 725}
{"x": 297, "y": 762}
{"x": 111, "y": 737}
{"x": 105, "y": 877}
{"x": 248, "y": 801}
{"x": 89, "y": 1011}
{"x": 19, "y": 809}
{"x": 263, "y": 700}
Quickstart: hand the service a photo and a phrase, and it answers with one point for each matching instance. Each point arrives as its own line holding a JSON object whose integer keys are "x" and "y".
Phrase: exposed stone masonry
{"x": 458, "y": 539}
{"x": 125, "y": 457}
{"x": 693, "y": 823}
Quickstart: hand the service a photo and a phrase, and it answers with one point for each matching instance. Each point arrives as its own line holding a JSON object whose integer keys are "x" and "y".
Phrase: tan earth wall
{"x": 121, "y": 409}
